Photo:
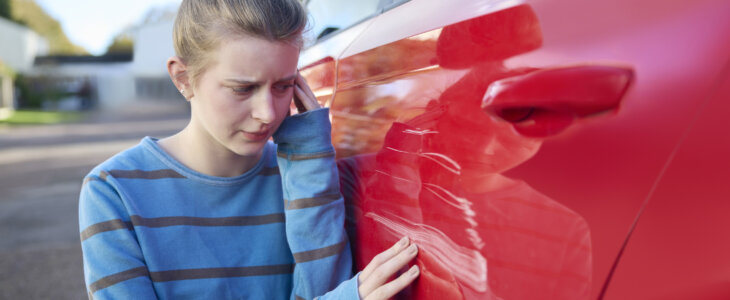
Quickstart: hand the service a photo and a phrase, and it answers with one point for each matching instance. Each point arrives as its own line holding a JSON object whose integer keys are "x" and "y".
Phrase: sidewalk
{"x": 41, "y": 168}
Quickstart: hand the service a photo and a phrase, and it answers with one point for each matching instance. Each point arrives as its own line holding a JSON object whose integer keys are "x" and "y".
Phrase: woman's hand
{"x": 372, "y": 281}
{"x": 304, "y": 98}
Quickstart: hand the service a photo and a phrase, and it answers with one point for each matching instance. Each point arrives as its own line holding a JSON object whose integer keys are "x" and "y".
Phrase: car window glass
{"x": 388, "y": 4}
{"x": 328, "y": 16}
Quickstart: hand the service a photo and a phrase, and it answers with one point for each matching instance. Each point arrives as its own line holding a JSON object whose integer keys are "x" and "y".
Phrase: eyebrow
{"x": 244, "y": 81}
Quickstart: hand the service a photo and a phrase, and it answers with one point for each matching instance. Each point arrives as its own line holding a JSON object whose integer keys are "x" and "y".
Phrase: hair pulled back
{"x": 201, "y": 25}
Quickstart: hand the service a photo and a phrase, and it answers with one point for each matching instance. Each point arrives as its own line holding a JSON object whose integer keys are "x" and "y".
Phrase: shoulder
{"x": 100, "y": 199}
{"x": 137, "y": 157}
{"x": 111, "y": 187}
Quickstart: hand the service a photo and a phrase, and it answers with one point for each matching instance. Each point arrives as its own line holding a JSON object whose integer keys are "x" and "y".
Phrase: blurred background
{"x": 80, "y": 80}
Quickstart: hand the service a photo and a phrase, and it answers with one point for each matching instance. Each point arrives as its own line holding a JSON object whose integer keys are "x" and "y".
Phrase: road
{"x": 41, "y": 169}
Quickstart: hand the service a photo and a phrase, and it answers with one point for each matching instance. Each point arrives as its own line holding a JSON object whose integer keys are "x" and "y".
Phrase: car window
{"x": 388, "y": 4}
{"x": 328, "y": 16}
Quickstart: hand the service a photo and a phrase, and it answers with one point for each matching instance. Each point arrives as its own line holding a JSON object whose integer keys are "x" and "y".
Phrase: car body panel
{"x": 539, "y": 200}
{"x": 318, "y": 64}
{"x": 677, "y": 56}
{"x": 679, "y": 249}
{"x": 418, "y": 16}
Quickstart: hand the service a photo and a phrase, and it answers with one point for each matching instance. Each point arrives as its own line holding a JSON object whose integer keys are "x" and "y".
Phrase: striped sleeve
{"x": 114, "y": 267}
{"x": 314, "y": 208}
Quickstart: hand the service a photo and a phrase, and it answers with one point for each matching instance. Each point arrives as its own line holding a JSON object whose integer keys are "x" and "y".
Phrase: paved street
{"x": 41, "y": 168}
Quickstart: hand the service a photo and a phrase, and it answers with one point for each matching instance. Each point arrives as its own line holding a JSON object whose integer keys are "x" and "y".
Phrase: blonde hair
{"x": 201, "y": 25}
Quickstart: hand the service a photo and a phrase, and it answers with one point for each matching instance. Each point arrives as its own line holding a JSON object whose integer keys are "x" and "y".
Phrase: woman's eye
{"x": 243, "y": 89}
{"x": 283, "y": 87}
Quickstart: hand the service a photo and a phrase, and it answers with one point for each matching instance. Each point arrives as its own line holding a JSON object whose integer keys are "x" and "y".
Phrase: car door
{"x": 610, "y": 170}
{"x": 427, "y": 148}
{"x": 515, "y": 142}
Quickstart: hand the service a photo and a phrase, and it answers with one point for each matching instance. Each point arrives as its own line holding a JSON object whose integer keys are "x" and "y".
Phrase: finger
{"x": 301, "y": 97}
{"x": 305, "y": 85}
{"x": 389, "y": 289}
{"x": 298, "y": 99}
{"x": 385, "y": 271}
{"x": 382, "y": 257}
{"x": 308, "y": 98}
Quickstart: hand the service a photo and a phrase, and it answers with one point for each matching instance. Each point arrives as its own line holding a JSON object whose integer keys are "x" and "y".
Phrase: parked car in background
{"x": 547, "y": 149}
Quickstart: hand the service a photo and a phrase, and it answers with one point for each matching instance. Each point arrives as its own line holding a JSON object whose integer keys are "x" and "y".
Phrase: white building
{"x": 114, "y": 81}
{"x": 109, "y": 78}
{"x": 152, "y": 47}
{"x": 19, "y": 46}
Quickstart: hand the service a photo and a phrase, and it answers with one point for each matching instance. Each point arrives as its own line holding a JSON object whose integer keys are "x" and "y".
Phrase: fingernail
{"x": 403, "y": 242}
{"x": 413, "y": 249}
{"x": 413, "y": 271}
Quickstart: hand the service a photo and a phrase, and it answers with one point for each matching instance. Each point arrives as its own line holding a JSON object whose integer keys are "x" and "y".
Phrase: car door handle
{"x": 545, "y": 102}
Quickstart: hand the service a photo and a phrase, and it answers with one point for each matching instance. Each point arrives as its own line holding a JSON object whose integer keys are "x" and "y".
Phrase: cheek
{"x": 283, "y": 105}
{"x": 221, "y": 109}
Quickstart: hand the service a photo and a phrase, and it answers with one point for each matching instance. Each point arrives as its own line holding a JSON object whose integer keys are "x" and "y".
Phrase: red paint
{"x": 517, "y": 146}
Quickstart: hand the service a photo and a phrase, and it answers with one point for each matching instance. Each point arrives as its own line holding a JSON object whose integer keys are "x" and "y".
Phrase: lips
{"x": 256, "y": 135}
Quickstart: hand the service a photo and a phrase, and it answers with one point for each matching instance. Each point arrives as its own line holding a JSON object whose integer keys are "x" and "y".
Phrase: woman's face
{"x": 245, "y": 93}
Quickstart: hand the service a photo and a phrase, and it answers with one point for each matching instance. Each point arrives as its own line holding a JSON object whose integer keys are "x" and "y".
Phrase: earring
{"x": 182, "y": 91}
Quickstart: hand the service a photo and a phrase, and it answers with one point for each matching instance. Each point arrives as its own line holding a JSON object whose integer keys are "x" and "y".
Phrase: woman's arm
{"x": 315, "y": 214}
{"x": 114, "y": 267}
{"x": 313, "y": 205}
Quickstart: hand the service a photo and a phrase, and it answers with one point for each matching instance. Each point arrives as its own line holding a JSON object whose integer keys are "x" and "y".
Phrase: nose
{"x": 263, "y": 107}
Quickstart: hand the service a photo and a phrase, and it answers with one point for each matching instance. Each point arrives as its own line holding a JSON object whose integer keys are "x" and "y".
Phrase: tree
{"x": 5, "y": 9}
{"x": 122, "y": 44}
{"x": 29, "y": 13}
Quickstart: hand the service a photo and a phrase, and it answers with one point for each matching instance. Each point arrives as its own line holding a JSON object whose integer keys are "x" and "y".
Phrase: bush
{"x": 32, "y": 92}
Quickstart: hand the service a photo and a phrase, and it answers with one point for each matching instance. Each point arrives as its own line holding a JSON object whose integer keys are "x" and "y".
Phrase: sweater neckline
{"x": 150, "y": 144}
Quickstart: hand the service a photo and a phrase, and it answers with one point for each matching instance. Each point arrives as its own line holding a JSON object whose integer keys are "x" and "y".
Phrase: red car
{"x": 557, "y": 149}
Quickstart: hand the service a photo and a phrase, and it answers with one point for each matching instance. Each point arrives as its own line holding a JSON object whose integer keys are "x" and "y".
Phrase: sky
{"x": 93, "y": 23}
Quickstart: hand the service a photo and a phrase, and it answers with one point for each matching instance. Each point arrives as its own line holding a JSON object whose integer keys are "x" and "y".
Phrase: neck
{"x": 197, "y": 150}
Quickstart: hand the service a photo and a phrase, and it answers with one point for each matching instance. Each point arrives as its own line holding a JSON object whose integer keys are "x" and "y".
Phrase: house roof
{"x": 81, "y": 59}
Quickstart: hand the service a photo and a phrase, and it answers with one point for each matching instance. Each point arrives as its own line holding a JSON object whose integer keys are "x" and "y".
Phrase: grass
{"x": 29, "y": 117}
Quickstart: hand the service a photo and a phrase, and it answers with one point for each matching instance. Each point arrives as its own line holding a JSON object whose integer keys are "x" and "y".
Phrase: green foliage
{"x": 27, "y": 96}
{"x": 33, "y": 91}
{"x": 122, "y": 44}
{"x": 27, "y": 117}
{"x": 5, "y": 9}
{"x": 30, "y": 14}
{"x": 6, "y": 70}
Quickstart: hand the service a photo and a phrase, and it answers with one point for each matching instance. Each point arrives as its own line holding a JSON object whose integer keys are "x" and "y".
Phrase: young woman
{"x": 217, "y": 211}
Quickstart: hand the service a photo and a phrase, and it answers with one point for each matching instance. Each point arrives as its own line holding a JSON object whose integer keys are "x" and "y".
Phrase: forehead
{"x": 243, "y": 55}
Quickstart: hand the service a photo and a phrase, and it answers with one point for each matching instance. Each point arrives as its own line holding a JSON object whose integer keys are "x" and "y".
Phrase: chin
{"x": 248, "y": 148}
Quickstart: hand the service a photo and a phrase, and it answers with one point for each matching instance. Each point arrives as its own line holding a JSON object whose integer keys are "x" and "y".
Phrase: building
{"x": 152, "y": 47}
{"x": 19, "y": 46}
{"x": 118, "y": 80}
{"x": 81, "y": 82}
{"x": 103, "y": 82}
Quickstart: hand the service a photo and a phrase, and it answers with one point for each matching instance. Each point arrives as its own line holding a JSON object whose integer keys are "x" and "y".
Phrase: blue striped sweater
{"x": 153, "y": 228}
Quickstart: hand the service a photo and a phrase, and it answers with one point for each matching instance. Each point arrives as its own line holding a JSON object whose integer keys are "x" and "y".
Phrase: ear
{"x": 179, "y": 75}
